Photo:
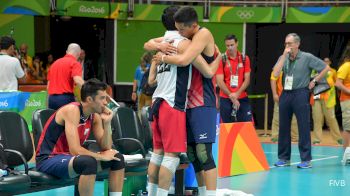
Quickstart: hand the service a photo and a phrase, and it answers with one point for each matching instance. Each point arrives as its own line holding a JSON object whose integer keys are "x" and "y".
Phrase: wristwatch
{"x": 315, "y": 81}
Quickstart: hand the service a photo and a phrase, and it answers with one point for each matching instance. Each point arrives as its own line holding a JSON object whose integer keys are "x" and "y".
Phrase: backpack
{"x": 145, "y": 87}
{"x": 224, "y": 59}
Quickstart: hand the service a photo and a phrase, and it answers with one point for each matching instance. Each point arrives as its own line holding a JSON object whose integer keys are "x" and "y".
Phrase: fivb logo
{"x": 334, "y": 182}
{"x": 33, "y": 103}
{"x": 4, "y": 103}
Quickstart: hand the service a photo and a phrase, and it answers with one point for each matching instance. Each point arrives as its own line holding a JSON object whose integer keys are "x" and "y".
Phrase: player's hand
{"x": 106, "y": 115}
{"x": 109, "y": 155}
{"x": 168, "y": 48}
{"x": 133, "y": 96}
{"x": 158, "y": 58}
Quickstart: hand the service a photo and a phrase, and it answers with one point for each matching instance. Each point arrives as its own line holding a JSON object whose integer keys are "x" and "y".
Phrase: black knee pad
{"x": 192, "y": 156}
{"x": 113, "y": 164}
{"x": 85, "y": 165}
{"x": 205, "y": 156}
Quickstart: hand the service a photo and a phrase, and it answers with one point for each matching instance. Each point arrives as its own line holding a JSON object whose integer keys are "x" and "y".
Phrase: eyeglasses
{"x": 288, "y": 43}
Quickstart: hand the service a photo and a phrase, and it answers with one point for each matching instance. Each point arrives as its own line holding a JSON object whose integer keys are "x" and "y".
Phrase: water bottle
{"x": 139, "y": 193}
{"x": 3, "y": 172}
{"x": 234, "y": 112}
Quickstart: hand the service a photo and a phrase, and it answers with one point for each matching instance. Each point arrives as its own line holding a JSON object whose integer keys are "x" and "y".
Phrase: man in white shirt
{"x": 10, "y": 67}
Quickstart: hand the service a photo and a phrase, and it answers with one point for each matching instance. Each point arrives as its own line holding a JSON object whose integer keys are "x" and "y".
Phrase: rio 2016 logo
{"x": 4, "y": 103}
{"x": 245, "y": 14}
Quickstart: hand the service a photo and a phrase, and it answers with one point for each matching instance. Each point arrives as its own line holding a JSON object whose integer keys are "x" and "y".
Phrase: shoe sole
{"x": 287, "y": 165}
{"x": 304, "y": 167}
{"x": 346, "y": 156}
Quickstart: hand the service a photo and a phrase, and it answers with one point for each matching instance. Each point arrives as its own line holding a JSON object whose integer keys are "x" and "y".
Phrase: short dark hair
{"x": 231, "y": 36}
{"x": 6, "y": 42}
{"x": 186, "y": 15}
{"x": 168, "y": 17}
{"x": 91, "y": 88}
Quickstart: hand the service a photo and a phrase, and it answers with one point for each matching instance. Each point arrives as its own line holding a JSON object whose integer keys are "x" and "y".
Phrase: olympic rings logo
{"x": 245, "y": 14}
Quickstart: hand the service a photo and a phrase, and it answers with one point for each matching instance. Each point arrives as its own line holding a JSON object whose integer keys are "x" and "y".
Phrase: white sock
{"x": 115, "y": 193}
{"x": 211, "y": 193}
{"x": 152, "y": 188}
{"x": 202, "y": 190}
{"x": 162, "y": 192}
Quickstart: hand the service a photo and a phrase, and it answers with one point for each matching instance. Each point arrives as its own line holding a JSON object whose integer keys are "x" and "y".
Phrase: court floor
{"x": 327, "y": 177}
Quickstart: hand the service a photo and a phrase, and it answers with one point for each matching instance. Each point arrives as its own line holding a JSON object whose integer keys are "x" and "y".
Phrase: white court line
{"x": 295, "y": 154}
{"x": 314, "y": 160}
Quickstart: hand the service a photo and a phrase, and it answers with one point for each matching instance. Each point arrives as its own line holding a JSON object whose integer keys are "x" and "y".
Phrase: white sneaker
{"x": 346, "y": 156}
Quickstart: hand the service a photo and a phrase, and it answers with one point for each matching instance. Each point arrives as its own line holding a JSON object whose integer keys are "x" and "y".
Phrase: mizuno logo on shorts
{"x": 203, "y": 136}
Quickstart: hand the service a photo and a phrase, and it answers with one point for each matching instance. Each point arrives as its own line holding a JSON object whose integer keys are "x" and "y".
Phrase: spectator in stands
{"x": 64, "y": 73}
{"x": 37, "y": 68}
{"x": 323, "y": 107}
{"x": 296, "y": 66}
{"x": 60, "y": 152}
{"x": 46, "y": 66}
{"x": 26, "y": 60}
{"x": 276, "y": 88}
{"x": 233, "y": 78}
{"x": 88, "y": 67}
{"x": 142, "y": 99}
{"x": 10, "y": 67}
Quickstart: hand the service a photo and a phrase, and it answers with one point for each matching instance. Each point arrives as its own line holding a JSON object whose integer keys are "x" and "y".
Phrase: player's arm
{"x": 152, "y": 74}
{"x": 196, "y": 47}
{"x": 70, "y": 117}
{"x": 159, "y": 45}
{"x": 102, "y": 130}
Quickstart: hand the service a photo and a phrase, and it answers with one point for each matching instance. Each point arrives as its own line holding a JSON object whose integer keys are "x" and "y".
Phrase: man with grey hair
{"x": 63, "y": 74}
{"x": 296, "y": 67}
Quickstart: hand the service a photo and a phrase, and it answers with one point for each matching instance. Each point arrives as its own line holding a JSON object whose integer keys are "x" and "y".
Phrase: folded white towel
{"x": 228, "y": 192}
{"x": 132, "y": 157}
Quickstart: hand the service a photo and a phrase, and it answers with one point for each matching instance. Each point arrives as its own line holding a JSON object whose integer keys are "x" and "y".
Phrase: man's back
{"x": 173, "y": 81}
{"x": 61, "y": 75}
{"x": 10, "y": 70}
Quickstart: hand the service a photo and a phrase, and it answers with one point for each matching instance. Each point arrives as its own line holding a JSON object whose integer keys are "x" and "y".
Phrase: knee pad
{"x": 85, "y": 165}
{"x": 192, "y": 157}
{"x": 114, "y": 164}
{"x": 171, "y": 163}
{"x": 205, "y": 156}
{"x": 156, "y": 159}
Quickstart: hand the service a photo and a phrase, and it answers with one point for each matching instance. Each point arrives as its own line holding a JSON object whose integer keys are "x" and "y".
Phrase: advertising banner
{"x": 24, "y": 103}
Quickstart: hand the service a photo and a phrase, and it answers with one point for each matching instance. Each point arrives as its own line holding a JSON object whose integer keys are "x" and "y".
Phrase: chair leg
{"x": 179, "y": 182}
{"x": 76, "y": 190}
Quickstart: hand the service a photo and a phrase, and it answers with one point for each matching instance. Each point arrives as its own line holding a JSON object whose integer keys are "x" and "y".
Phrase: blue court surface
{"x": 327, "y": 177}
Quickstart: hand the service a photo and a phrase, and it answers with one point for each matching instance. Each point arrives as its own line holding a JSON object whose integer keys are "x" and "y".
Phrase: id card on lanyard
{"x": 288, "y": 81}
{"x": 234, "y": 77}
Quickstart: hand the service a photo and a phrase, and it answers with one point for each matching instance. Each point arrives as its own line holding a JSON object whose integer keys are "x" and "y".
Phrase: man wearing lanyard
{"x": 233, "y": 78}
{"x": 296, "y": 66}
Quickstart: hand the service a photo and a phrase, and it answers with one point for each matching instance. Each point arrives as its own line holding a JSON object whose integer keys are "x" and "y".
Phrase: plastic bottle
{"x": 139, "y": 193}
{"x": 3, "y": 172}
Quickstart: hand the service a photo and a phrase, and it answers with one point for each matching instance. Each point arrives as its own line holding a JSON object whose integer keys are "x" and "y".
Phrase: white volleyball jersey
{"x": 173, "y": 82}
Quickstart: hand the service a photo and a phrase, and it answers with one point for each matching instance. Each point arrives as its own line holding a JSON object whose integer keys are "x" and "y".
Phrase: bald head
{"x": 74, "y": 49}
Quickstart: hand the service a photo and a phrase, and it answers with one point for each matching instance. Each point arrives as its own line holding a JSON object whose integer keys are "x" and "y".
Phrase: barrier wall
{"x": 25, "y": 103}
